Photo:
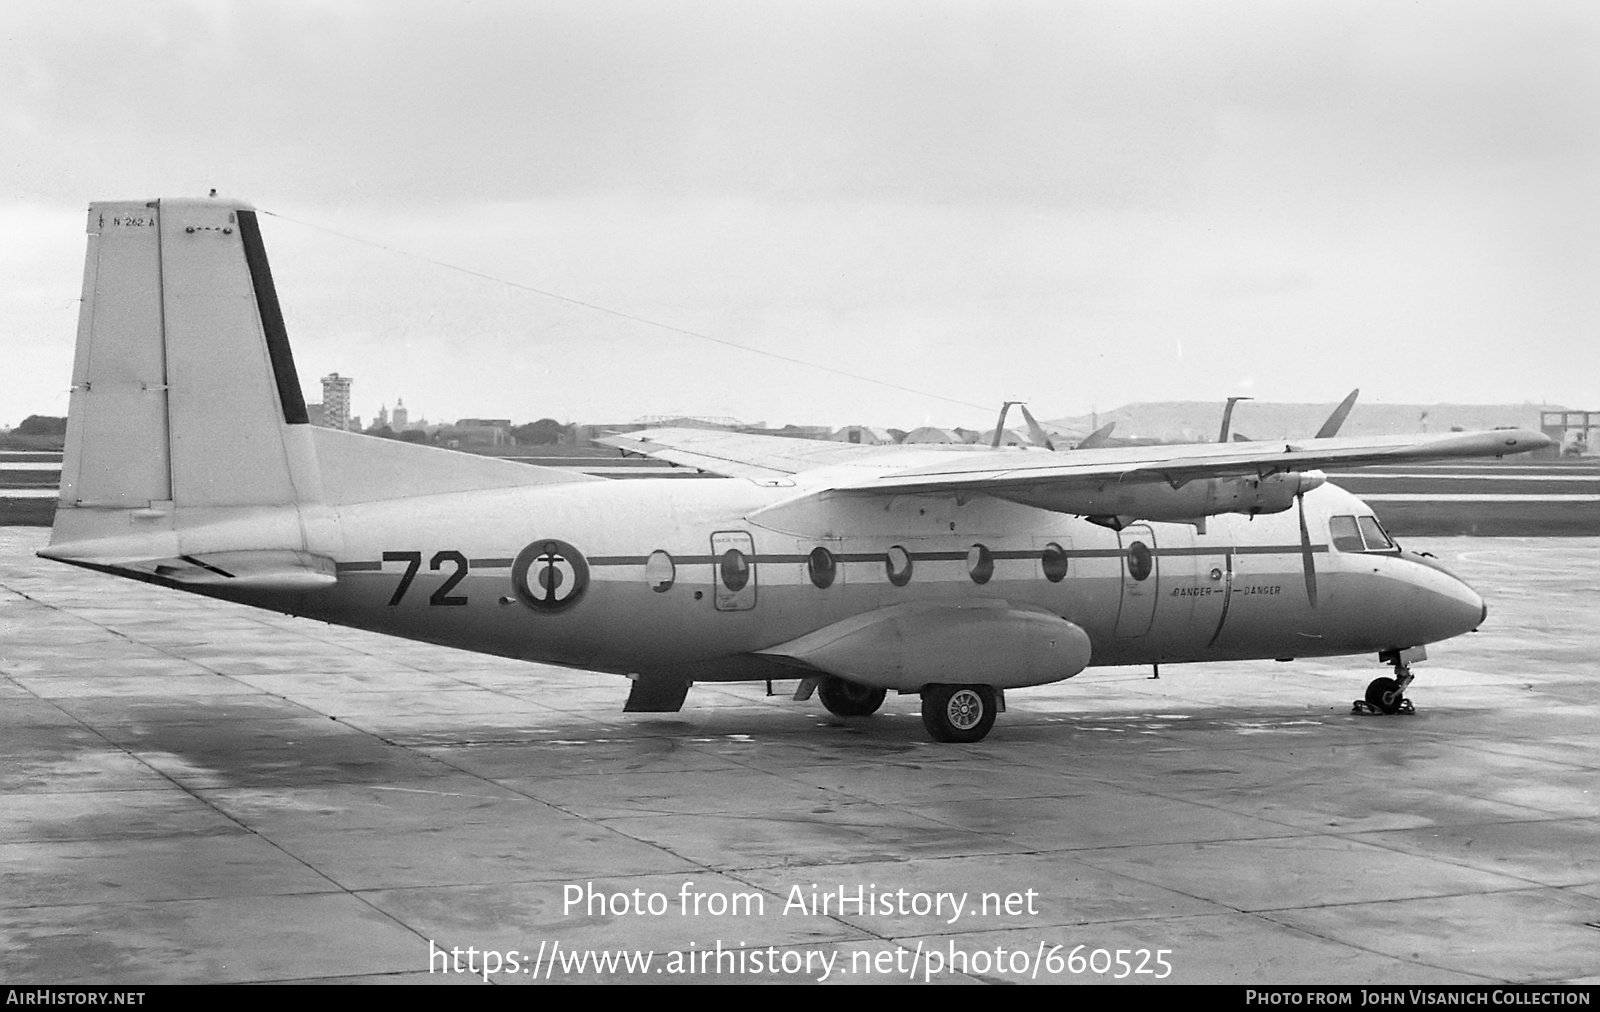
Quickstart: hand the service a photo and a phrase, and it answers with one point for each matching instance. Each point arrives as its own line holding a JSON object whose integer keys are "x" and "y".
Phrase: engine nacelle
{"x": 1159, "y": 501}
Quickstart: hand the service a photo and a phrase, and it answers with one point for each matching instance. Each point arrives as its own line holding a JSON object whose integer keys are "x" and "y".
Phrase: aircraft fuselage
{"x": 587, "y": 594}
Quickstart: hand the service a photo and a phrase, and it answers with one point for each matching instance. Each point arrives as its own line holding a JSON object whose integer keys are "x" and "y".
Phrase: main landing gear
{"x": 953, "y": 713}
{"x": 1387, "y": 695}
{"x": 849, "y": 699}
{"x": 958, "y": 713}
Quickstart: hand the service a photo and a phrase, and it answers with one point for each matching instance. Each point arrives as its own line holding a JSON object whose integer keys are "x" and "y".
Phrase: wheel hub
{"x": 965, "y": 709}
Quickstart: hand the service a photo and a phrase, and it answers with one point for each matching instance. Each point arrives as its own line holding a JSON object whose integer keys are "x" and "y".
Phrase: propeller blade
{"x": 1035, "y": 430}
{"x": 1098, "y": 437}
{"x": 1307, "y": 559}
{"x": 1330, "y": 427}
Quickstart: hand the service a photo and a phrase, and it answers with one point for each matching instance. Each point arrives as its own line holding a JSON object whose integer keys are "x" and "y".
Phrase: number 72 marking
{"x": 413, "y": 561}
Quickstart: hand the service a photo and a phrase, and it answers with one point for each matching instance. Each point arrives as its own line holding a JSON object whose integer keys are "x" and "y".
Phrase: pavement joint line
{"x": 1328, "y": 937}
{"x": 229, "y": 817}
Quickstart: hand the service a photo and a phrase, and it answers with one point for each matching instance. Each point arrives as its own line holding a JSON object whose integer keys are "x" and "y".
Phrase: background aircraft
{"x": 952, "y": 572}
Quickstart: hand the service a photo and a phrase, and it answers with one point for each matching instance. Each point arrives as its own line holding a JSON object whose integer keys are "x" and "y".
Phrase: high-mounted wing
{"x": 762, "y": 459}
{"x": 1179, "y": 483}
{"x": 1113, "y": 485}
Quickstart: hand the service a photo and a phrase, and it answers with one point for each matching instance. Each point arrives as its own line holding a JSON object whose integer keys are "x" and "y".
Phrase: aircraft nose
{"x": 1453, "y": 606}
{"x": 1466, "y": 606}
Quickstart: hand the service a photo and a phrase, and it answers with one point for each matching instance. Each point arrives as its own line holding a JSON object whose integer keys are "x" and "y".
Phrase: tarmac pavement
{"x": 193, "y": 791}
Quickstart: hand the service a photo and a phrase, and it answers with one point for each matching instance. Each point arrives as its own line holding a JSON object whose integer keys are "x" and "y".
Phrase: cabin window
{"x": 735, "y": 569}
{"x": 1140, "y": 561}
{"x": 1054, "y": 561}
{"x": 980, "y": 564}
{"x": 1377, "y": 540}
{"x": 898, "y": 565}
{"x": 1346, "y": 538}
{"x": 822, "y": 568}
{"x": 659, "y": 571}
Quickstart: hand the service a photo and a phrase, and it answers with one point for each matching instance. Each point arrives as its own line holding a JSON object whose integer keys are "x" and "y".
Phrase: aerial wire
{"x": 622, "y": 314}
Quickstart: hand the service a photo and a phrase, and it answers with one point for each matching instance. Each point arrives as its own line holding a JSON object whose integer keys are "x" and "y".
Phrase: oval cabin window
{"x": 1054, "y": 561}
{"x": 821, "y": 566}
{"x": 735, "y": 569}
{"x": 980, "y": 564}
{"x": 898, "y": 564}
{"x": 659, "y": 571}
{"x": 1140, "y": 561}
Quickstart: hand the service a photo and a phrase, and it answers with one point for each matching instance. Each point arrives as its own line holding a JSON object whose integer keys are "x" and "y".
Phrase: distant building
{"x": 864, "y": 434}
{"x": 932, "y": 434}
{"x": 1577, "y": 433}
{"x": 335, "y": 402}
{"x": 479, "y": 432}
{"x": 400, "y": 416}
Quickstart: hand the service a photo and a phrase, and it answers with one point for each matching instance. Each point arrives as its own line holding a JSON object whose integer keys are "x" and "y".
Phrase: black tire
{"x": 958, "y": 713}
{"x": 1384, "y": 695}
{"x": 849, "y": 699}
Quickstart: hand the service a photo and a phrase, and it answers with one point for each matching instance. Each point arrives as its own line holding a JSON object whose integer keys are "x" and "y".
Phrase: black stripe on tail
{"x": 255, "y": 255}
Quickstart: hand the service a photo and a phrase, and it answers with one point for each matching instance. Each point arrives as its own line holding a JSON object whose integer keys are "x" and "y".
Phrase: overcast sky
{"x": 1079, "y": 204}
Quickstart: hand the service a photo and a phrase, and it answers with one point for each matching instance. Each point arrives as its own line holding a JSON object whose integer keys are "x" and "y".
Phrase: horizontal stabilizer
{"x": 268, "y": 570}
{"x": 281, "y": 571}
{"x": 357, "y": 468}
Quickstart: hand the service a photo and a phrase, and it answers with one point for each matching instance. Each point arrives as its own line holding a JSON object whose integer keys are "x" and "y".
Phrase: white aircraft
{"x": 952, "y": 572}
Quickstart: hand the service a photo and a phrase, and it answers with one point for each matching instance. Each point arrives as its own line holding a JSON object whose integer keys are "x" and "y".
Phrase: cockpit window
{"x": 1377, "y": 540}
{"x": 1359, "y": 534}
{"x": 1346, "y": 538}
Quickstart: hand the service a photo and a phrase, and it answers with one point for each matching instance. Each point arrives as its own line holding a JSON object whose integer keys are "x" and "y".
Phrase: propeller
{"x": 1308, "y": 560}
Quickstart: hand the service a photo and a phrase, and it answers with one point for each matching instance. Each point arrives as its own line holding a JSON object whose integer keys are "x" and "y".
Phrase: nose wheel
{"x": 1388, "y": 695}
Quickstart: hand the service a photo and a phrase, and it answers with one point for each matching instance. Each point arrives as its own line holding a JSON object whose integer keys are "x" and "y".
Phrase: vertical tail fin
{"x": 187, "y": 431}
{"x": 183, "y": 385}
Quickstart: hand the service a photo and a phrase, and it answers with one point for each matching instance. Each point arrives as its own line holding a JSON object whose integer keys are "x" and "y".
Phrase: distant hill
{"x": 1198, "y": 421}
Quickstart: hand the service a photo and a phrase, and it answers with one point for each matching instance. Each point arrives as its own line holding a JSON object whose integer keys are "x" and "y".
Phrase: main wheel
{"x": 959, "y": 713}
{"x": 849, "y": 699}
{"x": 1384, "y": 695}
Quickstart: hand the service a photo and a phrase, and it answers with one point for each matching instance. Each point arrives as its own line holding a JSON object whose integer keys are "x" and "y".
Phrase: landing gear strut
{"x": 1387, "y": 695}
{"x": 849, "y": 699}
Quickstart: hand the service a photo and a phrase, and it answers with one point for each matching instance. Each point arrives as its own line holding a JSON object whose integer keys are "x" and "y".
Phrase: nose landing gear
{"x": 1387, "y": 695}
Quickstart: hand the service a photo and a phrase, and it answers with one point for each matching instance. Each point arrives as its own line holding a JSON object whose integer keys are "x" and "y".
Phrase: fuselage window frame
{"x": 1371, "y": 531}
{"x": 1053, "y": 560}
{"x": 1141, "y": 561}
{"x": 734, "y": 569}
{"x": 898, "y": 574}
{"x": 822, "y": 567}
{"x": 1345, "y": 535}
{"x": 980, "y": 564}
{"x": 660, "y": 572}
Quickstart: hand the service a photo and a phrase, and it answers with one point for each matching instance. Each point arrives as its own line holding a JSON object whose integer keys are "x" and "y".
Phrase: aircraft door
{"x": 733, "y": 571}
{"x": 1141, "y": 580}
